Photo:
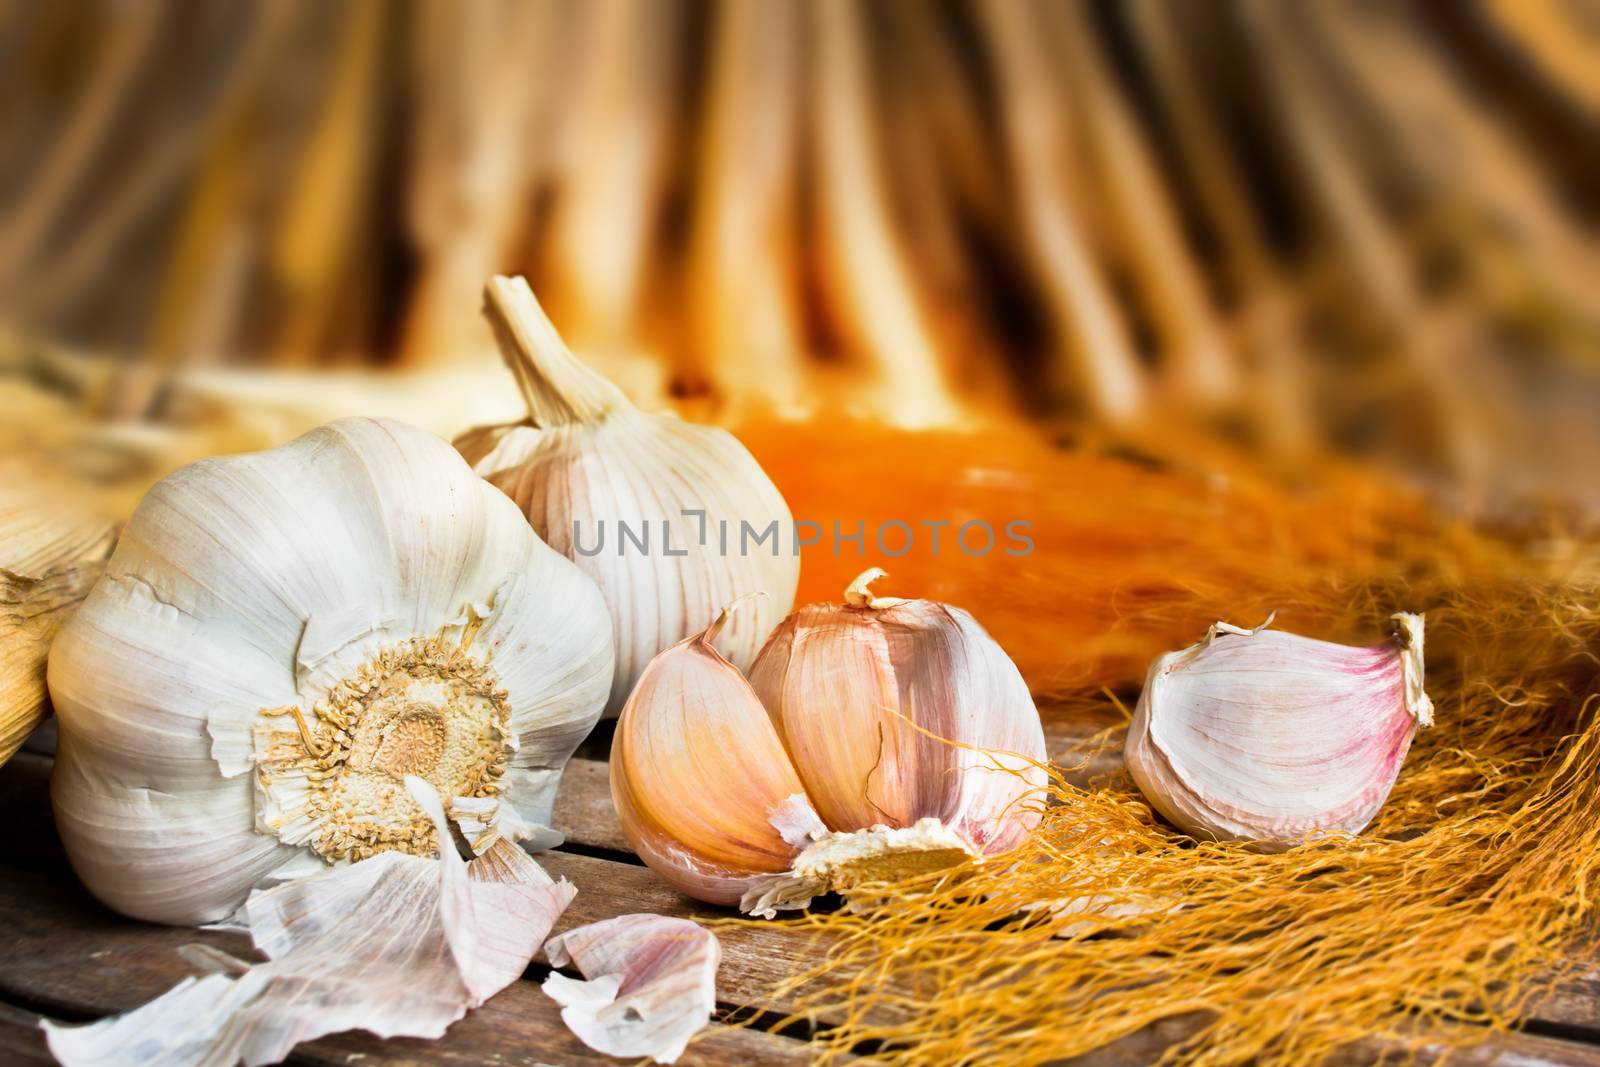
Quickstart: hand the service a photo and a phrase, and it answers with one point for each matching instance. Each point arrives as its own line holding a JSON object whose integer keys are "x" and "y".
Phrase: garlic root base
{"x": 838, "y": 861}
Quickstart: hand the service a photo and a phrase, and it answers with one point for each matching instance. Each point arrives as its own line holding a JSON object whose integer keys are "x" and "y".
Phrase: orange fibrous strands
{"x": 1470, "y": 899}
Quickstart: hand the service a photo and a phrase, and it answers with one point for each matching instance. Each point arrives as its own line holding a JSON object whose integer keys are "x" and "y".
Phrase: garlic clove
{"x": 587, "y": 462}
{"x": 1271, "y": 737}
{"x": 184, "y": 854}
{"x": 898, "y": 710}
{"x": 697, "y": 773}
{"x": 649, "y": 984}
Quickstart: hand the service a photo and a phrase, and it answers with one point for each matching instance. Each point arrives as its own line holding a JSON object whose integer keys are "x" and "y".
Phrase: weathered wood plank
{"x": 754, "y": 959}
{"x": 1494, "y": 1050}
{"x": 21, "y": 1038}
{"x": 68, "y": 955}
{"x": 584, "y": 813}
{"x": 1575, "y": 1006}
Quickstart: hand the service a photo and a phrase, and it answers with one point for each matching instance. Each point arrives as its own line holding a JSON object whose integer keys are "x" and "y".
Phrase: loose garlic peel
{"x": 1274, "y": 738}
{"x": 649, "y": 984}
{"x": 873, "y": 741}
{"x": 399, "y": 946}
{"x": 585, "y": 455}
{"x": 282, "y": 638}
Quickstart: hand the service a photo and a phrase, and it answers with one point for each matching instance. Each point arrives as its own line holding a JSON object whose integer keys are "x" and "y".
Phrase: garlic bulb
{"x": 671, "y": 519}
{"x": 873, "y": 739}
{"x": 1266, "y": 736}
{"x": 281, "y": 638}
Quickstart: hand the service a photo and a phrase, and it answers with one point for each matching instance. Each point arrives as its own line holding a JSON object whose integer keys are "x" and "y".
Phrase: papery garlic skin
{"x": 399, "y": 946}
{"x": 898, "y": 710}
{"x": 1265, "y": 736}
{"x": 586, "y": 457}
{"x": 281, "y": 638}
{"x": 649, "y": 984}
{"x": 874, "y": 740}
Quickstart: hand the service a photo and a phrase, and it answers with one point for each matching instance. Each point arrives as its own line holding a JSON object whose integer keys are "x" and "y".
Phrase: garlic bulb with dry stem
{"x": 1271, "y": 737}
{"x": 591, "y": 471}
{"x": 874, "y": 739}
{"x": 281, "y": 638}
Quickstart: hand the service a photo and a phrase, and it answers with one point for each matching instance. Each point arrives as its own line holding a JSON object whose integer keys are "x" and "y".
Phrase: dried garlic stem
{"x": 558, "y": 388}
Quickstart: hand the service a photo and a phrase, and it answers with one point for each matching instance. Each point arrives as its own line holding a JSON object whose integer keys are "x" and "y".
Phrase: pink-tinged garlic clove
{"x": 697, "y": 773}
{"x": 1266, "y": 736}
{"x": 897, "y": 710}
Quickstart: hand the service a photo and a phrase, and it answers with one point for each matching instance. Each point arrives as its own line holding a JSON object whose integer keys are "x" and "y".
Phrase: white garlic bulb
{"x": 873, "y": 739}
{"x": 672, "y": 520}
{"x": 1265, "y": 736}
{"x": 281, "y": 638}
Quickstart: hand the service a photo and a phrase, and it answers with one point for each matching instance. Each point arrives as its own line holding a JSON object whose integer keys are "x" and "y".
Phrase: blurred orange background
{"x": 1050, "y": 242}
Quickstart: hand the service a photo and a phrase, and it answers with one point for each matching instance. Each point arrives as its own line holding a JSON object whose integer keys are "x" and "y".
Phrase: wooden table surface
{"x": 64, "y": 956}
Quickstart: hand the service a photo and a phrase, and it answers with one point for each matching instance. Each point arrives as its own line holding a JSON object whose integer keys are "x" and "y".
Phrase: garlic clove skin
{"x": 281, "y": 638}
{"x": 839, "y": 861}
{"x": 884, "y": 705}
{"x": 649, "y": 984}
{"x": 586, "y": 456}
{"x": 702, "y": 785}
{"x": 1270, "y": 737}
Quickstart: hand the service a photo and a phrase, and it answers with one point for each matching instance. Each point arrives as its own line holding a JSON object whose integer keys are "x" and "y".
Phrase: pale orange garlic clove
{"x": 1270, "y": 737}
{"x": 698, "y": 772}
{"x": 875, "y": 739}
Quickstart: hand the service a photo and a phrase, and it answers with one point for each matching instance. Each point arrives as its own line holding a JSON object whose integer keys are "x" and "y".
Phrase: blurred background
{"x": 1297, "y": 232}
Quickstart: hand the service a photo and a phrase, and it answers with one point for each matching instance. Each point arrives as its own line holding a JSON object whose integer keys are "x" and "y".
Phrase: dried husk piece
{"x": 650, "y": 984}
{"x": 53, "y": 545}
{"x": 398, "y": 945}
